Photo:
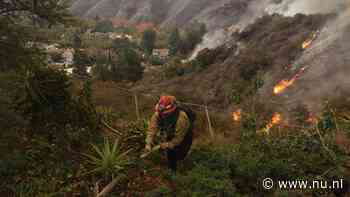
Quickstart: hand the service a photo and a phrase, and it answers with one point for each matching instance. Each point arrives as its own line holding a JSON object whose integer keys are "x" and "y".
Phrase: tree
{"x": 130, "y": 65}
{"x": 174, "y": 41}
{"x": 121, "y": 43}
{"x": 104, "y": 26}
{"x": 81, "y": 61}
{"x": 18, "y": 36}
{"x": 56, "y": 56}
{"x": 193, "y": 36}
{"x": 148, "y": 41}
{"x": 46, "y": 97}
{"x": 77, "y": 42}
{"x": 123, "y": 62}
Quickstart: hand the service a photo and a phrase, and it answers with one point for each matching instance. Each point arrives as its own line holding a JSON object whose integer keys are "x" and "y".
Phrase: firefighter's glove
{"x": 165, "y": 145}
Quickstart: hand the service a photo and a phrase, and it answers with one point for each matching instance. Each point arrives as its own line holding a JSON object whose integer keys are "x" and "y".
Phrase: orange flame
{"x": 285, "y": 83}
{"x": 307, "y": 43}
{"x": 237, "y": 115}
{"x": 276, "y": 119}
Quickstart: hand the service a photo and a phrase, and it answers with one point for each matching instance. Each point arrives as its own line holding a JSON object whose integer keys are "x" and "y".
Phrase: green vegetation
{"x": 239, "y": 169}
{"x": 174, "y": 41}
{"x": 108, "y": 161}
{"x": 81, "y": 61}
{"x": 122, "y": 63}
{"x": 64, "y": 135}
{"x": 104, "y": 26}
{"x": 148, "y": 41}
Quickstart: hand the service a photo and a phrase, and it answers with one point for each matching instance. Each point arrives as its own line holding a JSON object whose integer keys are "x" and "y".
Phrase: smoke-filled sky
{"x": 292, "y": 7}
{"x": 328, "y": 60}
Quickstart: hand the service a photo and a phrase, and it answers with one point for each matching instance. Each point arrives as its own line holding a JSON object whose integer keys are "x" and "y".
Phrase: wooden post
{"x": 209, "y": 122}
{"x": 137, "y": 107}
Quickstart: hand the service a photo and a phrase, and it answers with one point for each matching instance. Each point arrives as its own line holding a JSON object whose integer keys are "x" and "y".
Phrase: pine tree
{"x": 128, "y": 64}
{"x": 174, "y": 41}
{"x": 104, "y": 26}
{"x": 18, "y": 36}
{"x": 81, "y": 61}
{"x": 148, "y": 41}
{"x": 77, "y": 42}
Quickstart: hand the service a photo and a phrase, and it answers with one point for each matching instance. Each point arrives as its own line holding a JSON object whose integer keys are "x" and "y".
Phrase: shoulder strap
{"x": 190, "y": 114}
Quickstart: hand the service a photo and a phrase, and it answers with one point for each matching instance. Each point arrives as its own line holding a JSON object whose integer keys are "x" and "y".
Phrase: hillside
{"x": 262, "y": 102}
{"x": 214, "y": 13}
{"x": 268, "y": 45}
{"x": 277, "y": 39}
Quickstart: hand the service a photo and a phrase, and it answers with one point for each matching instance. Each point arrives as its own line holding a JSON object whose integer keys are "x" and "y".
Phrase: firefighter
{"x": 174, "y": 125}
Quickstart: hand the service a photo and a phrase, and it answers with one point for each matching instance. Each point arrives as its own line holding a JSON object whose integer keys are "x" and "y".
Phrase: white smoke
{"x": 328, "y": 63}
{"x": 258, "y": 8}
{"x": 211, "y": 40}
{"x": 292, "y": 7}
{"x": 218, "y": 37}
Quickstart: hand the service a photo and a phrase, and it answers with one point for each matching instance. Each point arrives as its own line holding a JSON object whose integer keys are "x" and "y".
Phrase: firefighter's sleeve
{"x": 182, "y": 127}
{"x": 152, "y": 129}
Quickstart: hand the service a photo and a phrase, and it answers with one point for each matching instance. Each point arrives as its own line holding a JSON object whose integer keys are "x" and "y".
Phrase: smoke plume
{"x": 258, "y": 8}
{"x": 211, "y": 40}
{"x": 329, "y": 65}
{"x": 292, "y": 7}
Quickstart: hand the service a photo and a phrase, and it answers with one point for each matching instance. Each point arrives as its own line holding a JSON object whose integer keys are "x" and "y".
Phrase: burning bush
{"x": 308, "y": 151}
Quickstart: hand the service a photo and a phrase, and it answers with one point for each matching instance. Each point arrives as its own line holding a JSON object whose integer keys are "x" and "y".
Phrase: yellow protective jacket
{"x": 174, "y": 136}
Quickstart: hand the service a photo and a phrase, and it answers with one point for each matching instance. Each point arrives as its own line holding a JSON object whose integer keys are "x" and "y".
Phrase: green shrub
{"x": 49, "y": 105}
{"x": 108, "y": 160}
{"x": 104, "y": 26}
{"x": 154, "y": 60}
{"x": 210, "y": 175}
{"x": 160, "y": 192}
{"x": 28, "y": 172}
{"x": 251, "y": 62}
{"x": 173, "y": 71}
{"x": 285, "y": 158}
{"x": 134, "y": 135}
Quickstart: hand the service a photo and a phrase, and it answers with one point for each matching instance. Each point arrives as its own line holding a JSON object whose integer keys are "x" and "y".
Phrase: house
{"x": 114, "y": 36}
{"x": 119, "y": 22}
{"x": 161, "y": 53}
{"x": 143, "y": 26}
{"x": 68, "y": 56}
{"x": 52, "y": 47}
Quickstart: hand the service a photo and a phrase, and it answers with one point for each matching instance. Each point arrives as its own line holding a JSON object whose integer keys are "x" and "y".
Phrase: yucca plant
{"x": 108, "y": 160}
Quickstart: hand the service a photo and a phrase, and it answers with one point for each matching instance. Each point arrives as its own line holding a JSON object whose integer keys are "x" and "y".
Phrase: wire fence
{"x": 209, "y": 119}
{"x": 143, "y": 106}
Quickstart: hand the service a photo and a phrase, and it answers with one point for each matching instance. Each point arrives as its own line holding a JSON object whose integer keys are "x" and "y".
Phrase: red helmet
{"x": 166, "y": 105}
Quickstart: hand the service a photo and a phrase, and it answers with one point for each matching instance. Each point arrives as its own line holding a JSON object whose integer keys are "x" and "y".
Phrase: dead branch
{"x": 111, "y": 128}
{"x": 106, "y": 190}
